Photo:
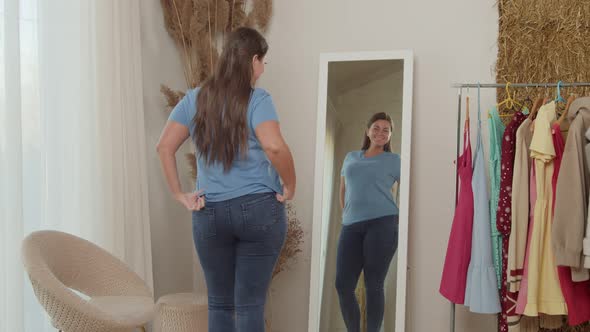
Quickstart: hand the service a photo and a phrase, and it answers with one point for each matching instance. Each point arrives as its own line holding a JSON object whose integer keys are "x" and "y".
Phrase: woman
{"x": 369, "y": 235}
{"x": 239, "y": 220}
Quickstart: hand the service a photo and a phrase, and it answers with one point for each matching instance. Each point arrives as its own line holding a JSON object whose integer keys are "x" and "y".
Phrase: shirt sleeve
{"x": 181, "y": 111}
{"x": 542, "y": 142}
{"x": 264, "y": 111}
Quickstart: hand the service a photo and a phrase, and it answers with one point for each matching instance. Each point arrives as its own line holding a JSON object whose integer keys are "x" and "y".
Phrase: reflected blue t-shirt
{"x": 250, "y": 175}
{"x": 368, "y": 182}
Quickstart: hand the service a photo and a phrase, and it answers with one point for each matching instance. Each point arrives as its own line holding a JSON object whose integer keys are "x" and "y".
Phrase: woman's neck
{"x": 373, "y": 151}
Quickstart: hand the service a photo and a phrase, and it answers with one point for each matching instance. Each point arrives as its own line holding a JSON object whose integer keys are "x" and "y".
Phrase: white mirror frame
{"x": 318, "y": 239}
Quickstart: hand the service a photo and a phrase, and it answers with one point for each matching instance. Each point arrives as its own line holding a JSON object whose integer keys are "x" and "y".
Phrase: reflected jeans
{"x": 368, "y": 246}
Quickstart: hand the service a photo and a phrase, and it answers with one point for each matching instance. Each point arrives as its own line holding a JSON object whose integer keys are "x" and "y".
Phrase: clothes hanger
{"x": 524, "y": 108}
{"x": 467, "y": 107}
{"x": 563, "y": 115}
{"x": 527, "y": 104}
{"x": 547, "y": 98}
{"x": 558, "y": 97}
{"x": 538, "y": 102}
{"x": 509, "y": 102}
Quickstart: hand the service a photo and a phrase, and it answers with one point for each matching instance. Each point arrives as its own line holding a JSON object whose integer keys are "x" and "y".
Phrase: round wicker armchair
{"x": 58, "y": 263}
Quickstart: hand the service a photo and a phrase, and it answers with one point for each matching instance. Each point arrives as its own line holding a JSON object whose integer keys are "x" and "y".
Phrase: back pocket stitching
{"x": 211, "y": 230}
{"x": 245, "y": 213}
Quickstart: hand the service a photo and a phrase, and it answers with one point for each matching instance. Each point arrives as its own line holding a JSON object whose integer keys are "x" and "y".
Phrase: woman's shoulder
{"x": 192, "y": 92}
{"x": 190, "y": 97}
{"x": 393, "y": 156}
{"x": 260, "y": 92}
{"x": 259, "y": 98}
{"x": 355, "y": 154}
{"x": 258, "y": 95}
{"x": 189, "y": 101}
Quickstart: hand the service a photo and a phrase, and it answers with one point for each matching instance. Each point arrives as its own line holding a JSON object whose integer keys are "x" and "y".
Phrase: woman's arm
{"x": 279, "y": 154}
{"x": 172, "y": 137}
{"x": 395, "y": 192}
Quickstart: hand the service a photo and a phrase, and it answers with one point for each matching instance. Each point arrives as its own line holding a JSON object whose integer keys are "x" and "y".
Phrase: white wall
{"x": 453, "y": 41}
{"x": 172, "y": 246}
{"x": 449, "y": 47}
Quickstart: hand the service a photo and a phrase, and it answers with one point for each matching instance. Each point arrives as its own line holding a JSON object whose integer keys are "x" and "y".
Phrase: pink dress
{"x": 454, "y": 276}
{"x": 576, "y": 294}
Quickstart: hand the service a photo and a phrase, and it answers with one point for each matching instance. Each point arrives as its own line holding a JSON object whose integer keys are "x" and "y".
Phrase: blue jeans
{"x": 238, "y": 242}
{"x": 369, "y": 246}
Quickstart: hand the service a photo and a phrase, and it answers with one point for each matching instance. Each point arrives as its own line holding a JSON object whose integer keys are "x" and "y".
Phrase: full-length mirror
{"x": 361, "y": 192}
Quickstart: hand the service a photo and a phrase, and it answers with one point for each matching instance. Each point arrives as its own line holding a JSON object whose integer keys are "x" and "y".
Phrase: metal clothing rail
{"x": 460, "y": 87}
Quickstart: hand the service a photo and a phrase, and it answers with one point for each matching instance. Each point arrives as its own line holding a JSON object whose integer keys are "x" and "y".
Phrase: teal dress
{"x": 496, "y": 131}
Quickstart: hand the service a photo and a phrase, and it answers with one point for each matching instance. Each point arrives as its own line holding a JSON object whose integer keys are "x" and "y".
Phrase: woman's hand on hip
{"x": 192, "y": 201}
{"x": 286, "y": 196}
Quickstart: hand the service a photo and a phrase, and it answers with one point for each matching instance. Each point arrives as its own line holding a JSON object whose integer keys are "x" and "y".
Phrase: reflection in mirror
{"x": 360, "y": 217}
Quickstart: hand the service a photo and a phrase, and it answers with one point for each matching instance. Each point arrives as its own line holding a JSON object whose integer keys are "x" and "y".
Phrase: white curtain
{"x": 72, "y": 141}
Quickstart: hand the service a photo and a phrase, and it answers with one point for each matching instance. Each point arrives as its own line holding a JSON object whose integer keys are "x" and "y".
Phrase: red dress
{"x": 454, "y": 276}
{"x": 576, "y": 294}
{"x": 504, "y": 213}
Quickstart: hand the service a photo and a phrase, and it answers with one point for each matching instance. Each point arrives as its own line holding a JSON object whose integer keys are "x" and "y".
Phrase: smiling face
{"x": 379, "y": 133}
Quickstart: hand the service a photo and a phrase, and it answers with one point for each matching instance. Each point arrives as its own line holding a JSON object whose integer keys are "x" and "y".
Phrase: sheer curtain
{"x": 72, "y": 141}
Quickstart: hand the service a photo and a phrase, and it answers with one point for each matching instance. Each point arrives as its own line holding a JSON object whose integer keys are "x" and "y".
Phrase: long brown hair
{"x": 221, "y": 131}
{"x": 373, "y": 119}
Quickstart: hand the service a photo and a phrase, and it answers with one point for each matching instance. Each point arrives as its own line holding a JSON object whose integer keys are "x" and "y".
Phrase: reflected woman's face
{"x": 379, "y": 133}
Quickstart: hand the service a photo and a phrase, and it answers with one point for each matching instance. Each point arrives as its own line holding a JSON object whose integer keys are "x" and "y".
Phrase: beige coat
{"x": 520, "y": 207}
{"x": 570, "y": 246}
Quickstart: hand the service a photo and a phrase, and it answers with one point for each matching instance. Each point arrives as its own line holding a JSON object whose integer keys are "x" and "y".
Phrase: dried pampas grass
{"x": 260, "y": 14}
{"x": 543, "y": 41}
{"x": 293, "y": 241}
{"x": 198, "y": 28}
{"x": 173, "y": 19}
{"x": 237, "y": 14}
{"x": 172, "y": 97}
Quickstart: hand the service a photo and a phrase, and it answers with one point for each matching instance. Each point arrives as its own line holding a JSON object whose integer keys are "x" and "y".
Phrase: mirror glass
{"x": 360, "y": 198}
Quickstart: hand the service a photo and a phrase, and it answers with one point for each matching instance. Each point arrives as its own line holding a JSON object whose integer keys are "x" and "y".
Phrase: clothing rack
{"x": 460, "y": 87}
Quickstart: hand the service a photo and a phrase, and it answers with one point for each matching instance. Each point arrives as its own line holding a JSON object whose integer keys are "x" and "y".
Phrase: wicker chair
{"x": 59, "y": 263}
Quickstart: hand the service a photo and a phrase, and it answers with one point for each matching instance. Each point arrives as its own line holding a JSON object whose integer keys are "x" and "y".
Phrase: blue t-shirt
{"x": 250, "y": 175}
{"x": 368, "y": 182}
